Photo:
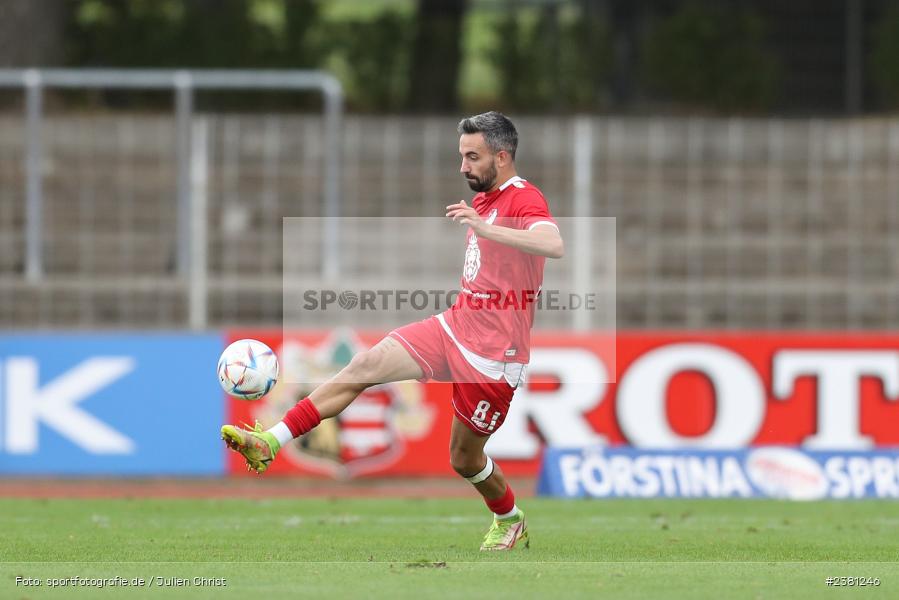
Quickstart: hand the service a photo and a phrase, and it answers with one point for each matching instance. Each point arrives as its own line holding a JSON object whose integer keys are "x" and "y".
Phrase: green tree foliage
{"x": 191, "y": 33}
{"x": 884, "y": 58}
{"x": 713, "y": 55}
{"x": 371, "y": 55}
{"x": 436, "y": 55}
{"x": 372, "y": 58}
{"x": 227, "y": 34}
{"x": 552, "y": 58}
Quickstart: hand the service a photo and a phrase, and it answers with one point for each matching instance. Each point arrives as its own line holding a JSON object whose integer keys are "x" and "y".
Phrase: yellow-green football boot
{"x": 504, "y": 534}
{"x": 258, "y": 447}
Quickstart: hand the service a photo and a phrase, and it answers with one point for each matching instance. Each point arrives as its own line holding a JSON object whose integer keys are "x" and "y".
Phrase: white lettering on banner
{"x": 559, "y": 414}
{"x": 703, "y": 476}
{"x": 733, "y": 481}
{"x": 740, "y": 398}
{"x": 595, "y": 477}
{"x": 622, "y": 477}
{"x": 838, "y": 374}
{"x": 569, "y": 466}
{"x": 653, "y": 476}
{"x": 774, "y": 472}
{"x": 884, "y": 477}
{"x": 839, "y": 481}
{"x": 665, "y": 465}
{"x": 850, "y": 477}
{"x": 739, "y": 394}
{"x": 860, "y": 475}
{"x": 28, "y": 405}
{"x": 648, "y": 483}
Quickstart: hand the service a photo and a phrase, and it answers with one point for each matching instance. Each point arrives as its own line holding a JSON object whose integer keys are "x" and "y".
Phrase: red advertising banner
{"x": 670, "y": 390}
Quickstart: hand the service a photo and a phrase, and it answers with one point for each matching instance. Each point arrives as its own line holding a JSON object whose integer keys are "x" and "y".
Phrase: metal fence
{"x": 183, "y": 84}
{"x": 721, "y": 223}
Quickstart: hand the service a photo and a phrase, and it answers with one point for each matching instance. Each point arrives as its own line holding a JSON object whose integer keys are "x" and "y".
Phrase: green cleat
{"x": 256, "y": 446}
{"x": 504, "y": 534}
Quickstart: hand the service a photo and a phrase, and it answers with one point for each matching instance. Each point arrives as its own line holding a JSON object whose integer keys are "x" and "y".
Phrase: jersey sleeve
{"x": 532, "y": 210}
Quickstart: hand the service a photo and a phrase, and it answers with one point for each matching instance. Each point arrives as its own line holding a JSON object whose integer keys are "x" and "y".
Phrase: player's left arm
{"x": 542, "y": 239}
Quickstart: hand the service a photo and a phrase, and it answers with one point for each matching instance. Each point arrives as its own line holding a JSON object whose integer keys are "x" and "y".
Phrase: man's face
{"x": 478, "y": 163}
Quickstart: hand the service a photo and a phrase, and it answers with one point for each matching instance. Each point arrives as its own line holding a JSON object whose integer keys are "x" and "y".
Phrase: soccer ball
{"x": 248, "y": 369}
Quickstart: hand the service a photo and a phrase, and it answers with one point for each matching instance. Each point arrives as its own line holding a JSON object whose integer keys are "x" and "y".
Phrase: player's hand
{"x": 466, "y": 215}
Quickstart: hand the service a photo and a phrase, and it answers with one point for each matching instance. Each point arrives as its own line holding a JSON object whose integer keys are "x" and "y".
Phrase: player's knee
{"x": 364, "y": 366}
{"x": 466, "y": 463}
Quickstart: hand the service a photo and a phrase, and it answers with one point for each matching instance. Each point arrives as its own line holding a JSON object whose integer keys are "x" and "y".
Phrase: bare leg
{"x": 387, "y": 361}
{"x": 468, "y": 458}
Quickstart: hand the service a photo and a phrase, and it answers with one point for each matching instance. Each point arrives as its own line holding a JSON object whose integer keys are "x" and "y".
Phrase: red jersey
{"x": 493, "y": 315}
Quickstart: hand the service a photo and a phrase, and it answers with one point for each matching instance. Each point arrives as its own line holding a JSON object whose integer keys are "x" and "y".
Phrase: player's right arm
{"x": 541, "y": 238}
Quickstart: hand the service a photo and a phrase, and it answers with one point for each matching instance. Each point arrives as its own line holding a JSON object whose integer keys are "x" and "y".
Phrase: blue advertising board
{"x": 110, "y": 404}
{"x": 757, "y": 472}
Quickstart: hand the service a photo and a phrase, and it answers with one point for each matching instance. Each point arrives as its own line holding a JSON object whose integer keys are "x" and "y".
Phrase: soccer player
{"x": 481, "y": 343}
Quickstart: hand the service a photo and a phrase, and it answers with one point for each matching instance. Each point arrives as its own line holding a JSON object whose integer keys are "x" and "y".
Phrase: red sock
{"x": 302, "y": 417}
{"x": 503, "y": 504}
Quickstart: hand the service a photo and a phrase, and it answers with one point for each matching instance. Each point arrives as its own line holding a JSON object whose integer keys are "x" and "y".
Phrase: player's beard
{"x": 485, "y": 182}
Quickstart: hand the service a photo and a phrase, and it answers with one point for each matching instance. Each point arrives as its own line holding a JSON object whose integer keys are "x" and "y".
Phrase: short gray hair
{"x": 499, "y": 132}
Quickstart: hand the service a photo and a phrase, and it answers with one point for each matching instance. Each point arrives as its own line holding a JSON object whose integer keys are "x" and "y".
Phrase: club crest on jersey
{"x": 369, "y": 435}
{"x": 473, "y": 252}
{"x": 472, "y": 259}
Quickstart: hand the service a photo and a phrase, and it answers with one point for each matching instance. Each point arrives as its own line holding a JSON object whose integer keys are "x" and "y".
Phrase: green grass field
{"x": 394, "y": 548}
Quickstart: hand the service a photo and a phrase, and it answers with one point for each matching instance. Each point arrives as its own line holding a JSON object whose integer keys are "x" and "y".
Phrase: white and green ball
{"x": 248, "y": 369}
